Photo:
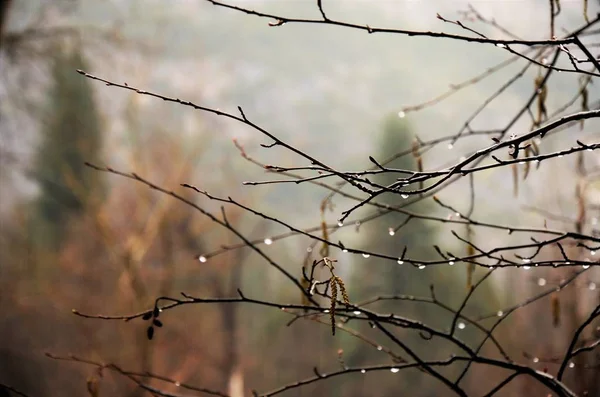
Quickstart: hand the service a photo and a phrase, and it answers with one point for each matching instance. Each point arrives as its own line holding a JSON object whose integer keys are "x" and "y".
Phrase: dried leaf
{"x": 93, "y": 386}
{"x": 470, "y": 252}
{"x": 584, "y": 102}
{"x": 555, "y": 307}
{"x": 542, "y": 91}
{"x": 324, "y": 251}
{"x": 580, "y": 209}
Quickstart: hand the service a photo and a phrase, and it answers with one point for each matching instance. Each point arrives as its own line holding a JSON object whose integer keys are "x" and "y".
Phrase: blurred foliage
{"x": 71, "y": 136}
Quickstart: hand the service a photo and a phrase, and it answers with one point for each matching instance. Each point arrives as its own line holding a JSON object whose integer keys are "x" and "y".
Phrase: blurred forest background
{"x": 74, "y": 238}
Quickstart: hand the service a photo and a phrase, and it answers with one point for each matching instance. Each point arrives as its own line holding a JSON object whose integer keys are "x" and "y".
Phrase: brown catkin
{"x": 343, "y": 290}
{"x": 334, "y": 291}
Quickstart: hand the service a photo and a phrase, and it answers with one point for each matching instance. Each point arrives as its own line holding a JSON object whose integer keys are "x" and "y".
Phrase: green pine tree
{"x": 417, "y": 236}
{"x": 72, "y": 135}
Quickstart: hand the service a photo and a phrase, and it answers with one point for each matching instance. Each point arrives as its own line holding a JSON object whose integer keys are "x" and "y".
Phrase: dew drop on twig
{"x": 541, "y": 281}
{"x": 202, "y": 258}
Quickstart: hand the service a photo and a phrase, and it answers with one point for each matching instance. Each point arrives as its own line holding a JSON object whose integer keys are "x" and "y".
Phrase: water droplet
{"x": 544, "y": 61}
{"x": 324, "y": 311}
{"x": 363, "y": 371}
{"x": 526, "y": 267}
{"x": 461, "y": 325}
{"x": 404, "y": 196}
{"x": 391, "y": 231}
{"x": 421, "y": 267}
{"x": 177, "y": 384}
{"x": 561, "y": 155}
{"x": 366, "y": 255}
{"x": 379, "y": 348}
{"x": 268, "y": 241}
{"x": 356, "y": 312}
{"x": 344, "y": 250}
{"x": 451, "y": 263}
{"x": 571, "y": 365}
{"x": 457, "y": 214}
{"x": 373, "y": 325}
{"x": 592, "y": 286}
{"x": 202, "y": 258}
{"x": 500, "y": 45}
{"x": 450, "y": 146}
{"x": 592, "y": 253}
{"x": 340, "y": 223}
{"x": 500, "y": 313}
{"x": 394, "y": 370}
{"x": 401, "y": 114}
{"x": 526, "y": 260}
{"x": 585, "y": 266}
{"x": 400, "y": 262}
{"x": 541, "y": 281}
{"x": 536, "y": 360}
